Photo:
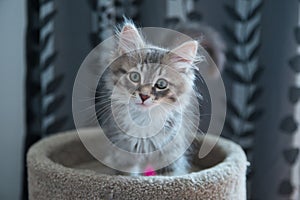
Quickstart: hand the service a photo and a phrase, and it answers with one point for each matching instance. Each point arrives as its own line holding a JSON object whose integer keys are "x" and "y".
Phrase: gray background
{"x": 12, "y": 66}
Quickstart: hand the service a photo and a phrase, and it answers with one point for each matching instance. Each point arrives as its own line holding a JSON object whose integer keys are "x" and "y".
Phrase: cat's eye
{"x": 134, "y": 76}
{"x": 161, "y": 84}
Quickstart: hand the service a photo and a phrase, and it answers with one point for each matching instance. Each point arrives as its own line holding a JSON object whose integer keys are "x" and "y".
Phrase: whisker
{"x": 93, "y": 98}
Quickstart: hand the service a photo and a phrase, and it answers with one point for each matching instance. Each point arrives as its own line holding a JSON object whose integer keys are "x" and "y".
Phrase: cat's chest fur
{"x": 139, "y": 131}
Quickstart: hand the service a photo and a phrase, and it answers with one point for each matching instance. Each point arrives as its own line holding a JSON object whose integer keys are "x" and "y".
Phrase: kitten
{"x": 149, "y": 101}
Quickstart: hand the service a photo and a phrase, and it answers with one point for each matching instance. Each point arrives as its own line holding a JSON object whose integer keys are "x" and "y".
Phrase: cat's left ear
{"x": 185, "y": 53}
{"x": 129, "y": 39}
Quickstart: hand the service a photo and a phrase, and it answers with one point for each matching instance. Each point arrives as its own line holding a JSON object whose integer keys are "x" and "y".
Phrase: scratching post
{"x": 59, "y": 167}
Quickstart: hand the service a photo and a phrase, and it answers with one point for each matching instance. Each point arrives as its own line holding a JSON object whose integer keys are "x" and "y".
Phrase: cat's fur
{"x": 128, "y": 122}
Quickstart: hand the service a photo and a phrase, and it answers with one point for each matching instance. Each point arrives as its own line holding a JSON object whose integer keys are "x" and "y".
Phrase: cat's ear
{"x": 129, "y": 39}
{"x": 185, "y": 53}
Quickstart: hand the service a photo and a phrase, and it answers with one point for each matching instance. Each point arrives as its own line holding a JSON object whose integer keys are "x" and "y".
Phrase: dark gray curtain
{"x": 274, "y": 161}
{"x": 260, "y": 74}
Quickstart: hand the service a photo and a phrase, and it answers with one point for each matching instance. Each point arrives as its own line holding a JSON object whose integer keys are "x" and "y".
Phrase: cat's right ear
{"x": 183, "y": 56}
{"x": 129, "y": 39}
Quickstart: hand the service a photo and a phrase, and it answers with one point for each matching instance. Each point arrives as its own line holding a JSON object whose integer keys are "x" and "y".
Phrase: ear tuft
{"x": 129, "y": 39}
{"x": 186, "y": 52}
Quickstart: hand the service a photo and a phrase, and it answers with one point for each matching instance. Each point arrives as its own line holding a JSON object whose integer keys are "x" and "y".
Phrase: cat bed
{"x": 59, "y": 167}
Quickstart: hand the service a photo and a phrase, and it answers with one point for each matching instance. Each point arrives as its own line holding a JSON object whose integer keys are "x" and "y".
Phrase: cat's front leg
{"x": 180, "y": 167}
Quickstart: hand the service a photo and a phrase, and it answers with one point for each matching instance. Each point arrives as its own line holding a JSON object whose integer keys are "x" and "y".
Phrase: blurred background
{"x": 43, "y": 43}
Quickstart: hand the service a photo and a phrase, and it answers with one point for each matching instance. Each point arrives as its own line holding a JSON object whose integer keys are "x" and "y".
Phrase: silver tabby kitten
{"x": 149, "y": 101}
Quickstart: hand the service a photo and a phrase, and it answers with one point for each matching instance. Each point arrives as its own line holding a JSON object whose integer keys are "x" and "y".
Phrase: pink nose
{"x": 144, "y": 97}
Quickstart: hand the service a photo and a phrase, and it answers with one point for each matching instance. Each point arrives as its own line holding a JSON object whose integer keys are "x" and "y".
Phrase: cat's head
{"x": 146, "y": 75}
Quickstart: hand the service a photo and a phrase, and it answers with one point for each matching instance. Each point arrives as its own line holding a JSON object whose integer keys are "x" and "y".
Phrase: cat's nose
{"x": 144, "y": 97}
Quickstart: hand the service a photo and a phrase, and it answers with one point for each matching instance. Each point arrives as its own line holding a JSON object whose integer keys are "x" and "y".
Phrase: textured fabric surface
{"x": 55, "y": 171}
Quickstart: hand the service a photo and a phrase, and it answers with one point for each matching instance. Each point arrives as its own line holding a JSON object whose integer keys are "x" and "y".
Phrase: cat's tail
{"x": 209, "y": 39}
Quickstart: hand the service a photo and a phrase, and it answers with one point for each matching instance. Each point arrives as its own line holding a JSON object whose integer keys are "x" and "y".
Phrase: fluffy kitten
{"x": 150, "y": 100}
